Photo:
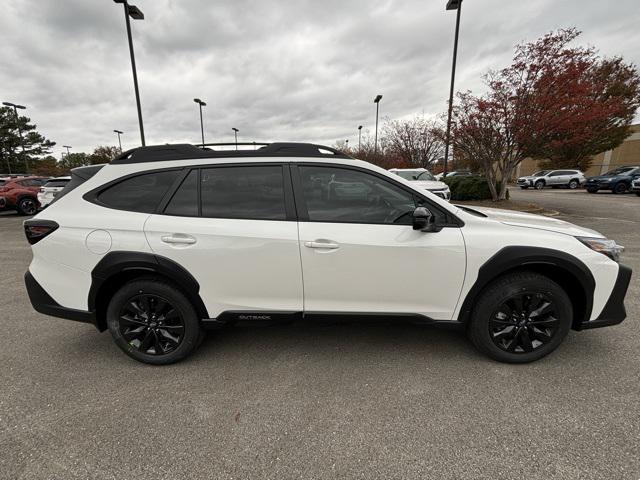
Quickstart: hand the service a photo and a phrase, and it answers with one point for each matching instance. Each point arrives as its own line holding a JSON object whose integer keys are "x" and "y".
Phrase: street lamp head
{"x": 134, "y": 12}
{"x": 453, "y": 4}
{"x": 235, "y": 129}
{"x": 14, "y": 105}
{"x": 118, "y": 131}
{"x": 377, "y": 99}
{"x": 360, "y": 127}
{"x": 197, "y": 100}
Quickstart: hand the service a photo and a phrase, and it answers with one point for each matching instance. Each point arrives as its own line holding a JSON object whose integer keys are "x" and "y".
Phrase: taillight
{"x": 36, "y": 230}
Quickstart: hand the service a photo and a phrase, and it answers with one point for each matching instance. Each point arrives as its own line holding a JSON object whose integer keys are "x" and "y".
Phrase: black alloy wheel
{"x": 151, "y": 324}
{"x": 27, "y": 206}
{"x": 620, "y": 187}
{"x": 524, "y": 322}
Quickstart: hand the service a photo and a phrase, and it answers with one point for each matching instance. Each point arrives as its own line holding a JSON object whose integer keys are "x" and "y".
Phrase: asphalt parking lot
{"x": 333, "y": 401}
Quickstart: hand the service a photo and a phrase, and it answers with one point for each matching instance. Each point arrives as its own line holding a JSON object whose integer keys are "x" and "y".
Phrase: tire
{"x": 523, "y": 187}
{"x": 539, "y": 185}
{"x": 638, "y": 194}
{"x": 573, "y": 184}
{"x": 27, "y": 206}
{"x": 592, "y": 190}
{"x": 620, "y": 187}
{"x": 149, "y": 325}
{"x": 494, "y": 323}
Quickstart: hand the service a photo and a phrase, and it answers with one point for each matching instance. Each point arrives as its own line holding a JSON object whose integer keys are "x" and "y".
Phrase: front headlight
{"x": 605, "y": 246}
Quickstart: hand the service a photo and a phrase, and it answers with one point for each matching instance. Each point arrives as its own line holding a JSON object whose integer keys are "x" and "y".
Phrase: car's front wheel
{"x": 520, "y": 317}
{"x": 539, "y": 185}
{"x": 153, "y": 322}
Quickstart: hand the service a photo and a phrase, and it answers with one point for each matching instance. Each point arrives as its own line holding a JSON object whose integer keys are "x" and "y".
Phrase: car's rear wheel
{"x": 539, "y": 185}
{"x": 521, "y": 317}
{"x": 620, "y": 187}
{"x": 153, "y": 322}
{"x": 573, "y": 184}
{"x": 27, "y": 206}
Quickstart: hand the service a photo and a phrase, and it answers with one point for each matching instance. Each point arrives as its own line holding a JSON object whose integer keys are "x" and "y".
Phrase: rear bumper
{"x": 613, "y": 312}
{"x": 43, "y": 303}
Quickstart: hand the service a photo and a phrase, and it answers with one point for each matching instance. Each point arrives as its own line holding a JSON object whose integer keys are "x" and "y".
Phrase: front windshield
{"x": 426, "y": 176}
{"x": 618, "y": 171}
{"x": 541, "y": 173}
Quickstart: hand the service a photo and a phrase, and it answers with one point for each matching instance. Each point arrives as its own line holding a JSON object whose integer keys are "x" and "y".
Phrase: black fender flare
{"x": 116, "y": 263}
{"x": 523, "y": 257}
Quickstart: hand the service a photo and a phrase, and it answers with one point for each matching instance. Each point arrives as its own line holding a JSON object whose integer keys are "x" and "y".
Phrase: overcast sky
{"x": 298, "y": 70}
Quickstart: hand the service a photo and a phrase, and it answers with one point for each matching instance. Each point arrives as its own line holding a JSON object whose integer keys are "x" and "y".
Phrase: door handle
{"x": 178, "y": 239}
{"x": 324, "y": 245}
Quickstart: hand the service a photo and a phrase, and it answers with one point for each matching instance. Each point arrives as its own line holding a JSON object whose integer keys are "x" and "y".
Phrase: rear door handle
{"x": 324, "y": 245}
{"x": 178, "y": 239}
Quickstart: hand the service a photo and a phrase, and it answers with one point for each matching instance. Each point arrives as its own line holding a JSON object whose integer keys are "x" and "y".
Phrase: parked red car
{"x": 21, "y": 194}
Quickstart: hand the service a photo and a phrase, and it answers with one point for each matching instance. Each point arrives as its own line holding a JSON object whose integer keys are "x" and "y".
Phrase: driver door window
{"x": 340, "y": 195}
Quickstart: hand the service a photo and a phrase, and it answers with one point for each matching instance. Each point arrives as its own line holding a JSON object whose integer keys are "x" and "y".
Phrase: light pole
{"x": 452, "y": 5}
{"x": 15, "y": 110}
{"x": 235, "y": 131}
{"x": 377, "y": 102}
{"x": 67, "y": 147}
{"x": 346, "y": 144}
{"x": 135, "y": 13}
{"x": 359, "y": 137}
{"x": 201, "y": 104}
{"x": 119, "y": 142}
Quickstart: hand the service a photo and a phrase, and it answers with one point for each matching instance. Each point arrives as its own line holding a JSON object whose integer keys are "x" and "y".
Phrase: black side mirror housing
{"x": 423, "y": 220}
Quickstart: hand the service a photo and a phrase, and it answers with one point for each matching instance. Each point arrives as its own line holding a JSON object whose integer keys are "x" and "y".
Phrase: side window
{"x": 141, "y": 193}
{"x": 334, "y": 194}
{"x": 253, "y": 192}
{"x": 184, "y": 202}
{"x": 557, "y": 173}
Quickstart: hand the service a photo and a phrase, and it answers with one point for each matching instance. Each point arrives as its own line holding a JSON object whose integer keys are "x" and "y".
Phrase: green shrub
{"x": 470, "y": 188}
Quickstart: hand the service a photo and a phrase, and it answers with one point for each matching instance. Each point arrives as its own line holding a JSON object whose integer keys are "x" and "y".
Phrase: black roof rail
{"x": 186, "y": 151}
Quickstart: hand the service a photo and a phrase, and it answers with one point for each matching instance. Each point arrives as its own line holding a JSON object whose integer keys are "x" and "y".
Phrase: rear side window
{"x": 184, "y": 202}
{"x": 251, "y": 192}
{"x": 141, "y": 193}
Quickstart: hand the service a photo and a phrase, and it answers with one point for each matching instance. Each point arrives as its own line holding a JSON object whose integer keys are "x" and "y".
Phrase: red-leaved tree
{"x": 555, "y": 101}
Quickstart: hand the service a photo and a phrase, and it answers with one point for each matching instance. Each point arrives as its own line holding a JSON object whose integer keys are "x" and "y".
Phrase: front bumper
{"x": 43, "y": 303}
{"x": 635, "y": 187}
{"x": 613, "y": 312}
{"x": 522, "y": 182}
{"x": 598, "y": 185}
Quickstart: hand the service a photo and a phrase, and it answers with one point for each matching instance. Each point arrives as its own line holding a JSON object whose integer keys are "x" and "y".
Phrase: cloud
{"x": 303, "y": 70}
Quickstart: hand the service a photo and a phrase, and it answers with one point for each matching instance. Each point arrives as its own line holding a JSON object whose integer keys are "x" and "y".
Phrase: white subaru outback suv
{"x": 167, "y": 241}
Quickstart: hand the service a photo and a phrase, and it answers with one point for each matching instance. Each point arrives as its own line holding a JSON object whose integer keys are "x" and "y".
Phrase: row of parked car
{"x": 27, "y": 194}
{"x": 618, "y": 180}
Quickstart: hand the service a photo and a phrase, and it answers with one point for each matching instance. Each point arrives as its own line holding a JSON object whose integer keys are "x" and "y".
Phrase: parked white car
{"x": 168, "y": 240}
{"x": 553, "y": 178}
{"x": 635, "y": 186}
{"x": 50, "y": 189}
{"x": 425, "y": 180}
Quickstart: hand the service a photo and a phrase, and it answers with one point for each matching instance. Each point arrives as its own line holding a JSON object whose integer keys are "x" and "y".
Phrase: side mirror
{"x": 423, "y": 220}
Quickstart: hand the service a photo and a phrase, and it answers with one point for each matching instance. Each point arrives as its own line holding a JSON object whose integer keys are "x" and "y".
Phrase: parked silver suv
{"x": 553, "y": 178}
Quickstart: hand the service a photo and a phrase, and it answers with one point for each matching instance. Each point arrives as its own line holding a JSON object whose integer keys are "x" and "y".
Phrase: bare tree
{"x": 415, "y": 142}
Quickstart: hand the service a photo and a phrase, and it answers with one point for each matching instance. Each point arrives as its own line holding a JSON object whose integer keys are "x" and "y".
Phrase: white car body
{"x": 50, "y": 189}
{"x": 434, "y": 186}
{"x": 261, "y": 268}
